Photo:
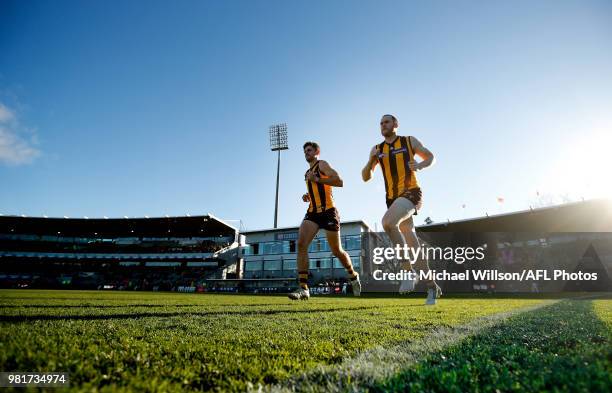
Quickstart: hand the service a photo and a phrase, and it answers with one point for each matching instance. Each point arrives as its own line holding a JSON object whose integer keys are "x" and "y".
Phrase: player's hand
{"x": 415, "y": 166}
{"x": 312, "y": 177}
{"x": 374, "y": 154}
{"x": 306, "y": 198}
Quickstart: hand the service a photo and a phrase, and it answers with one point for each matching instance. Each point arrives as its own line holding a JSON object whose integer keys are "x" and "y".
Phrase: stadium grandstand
{"x": 584, "y": 216}
{"x": 168, "y": 253}
{"x": 574, "y": 237}
{"x": 204, "y": 254}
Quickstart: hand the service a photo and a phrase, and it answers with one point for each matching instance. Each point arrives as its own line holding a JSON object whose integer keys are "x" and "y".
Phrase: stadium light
{"x": 278, "y": 142}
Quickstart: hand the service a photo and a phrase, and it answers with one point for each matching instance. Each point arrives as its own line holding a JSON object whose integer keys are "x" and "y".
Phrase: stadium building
{"x": 269, "y": 259}
{"x": 169, "y": 253}
{"x": 573, "y": 237}
{"x": 203, "y": 253}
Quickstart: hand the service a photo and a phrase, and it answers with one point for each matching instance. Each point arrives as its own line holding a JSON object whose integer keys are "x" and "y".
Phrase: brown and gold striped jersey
{"x": 321, "y": 197}
{"x": 394, "y": 159}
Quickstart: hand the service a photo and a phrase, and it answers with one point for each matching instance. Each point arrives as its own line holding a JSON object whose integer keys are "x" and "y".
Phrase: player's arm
{"x": 332, "y": 179}
{"x": 423, "y": 153}
{"x": 366, "y": 172}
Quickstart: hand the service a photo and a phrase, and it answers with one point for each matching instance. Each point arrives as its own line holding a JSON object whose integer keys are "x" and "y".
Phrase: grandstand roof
{"x": 585, "y": 216}
{"x": 188, "y": 226}
{"x": 295, "y": 228}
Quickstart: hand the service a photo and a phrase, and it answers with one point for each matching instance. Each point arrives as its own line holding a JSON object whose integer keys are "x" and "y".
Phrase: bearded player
{"x": 396, "y": 157}
{"x": 322, "y": 214}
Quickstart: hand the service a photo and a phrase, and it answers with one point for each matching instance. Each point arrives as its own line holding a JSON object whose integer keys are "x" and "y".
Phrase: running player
{"x": 321, "y": 214}
{"x": 396, "y": 156}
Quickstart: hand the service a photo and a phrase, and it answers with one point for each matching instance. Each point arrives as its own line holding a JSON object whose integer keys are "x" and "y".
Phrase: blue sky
{"x": 152, "y": 108}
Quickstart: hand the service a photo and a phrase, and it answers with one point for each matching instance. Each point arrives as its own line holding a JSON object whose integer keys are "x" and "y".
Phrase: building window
{"x": 286, "y": 246}
{"x": 272, "y": 248}
{"x": 272, "y": 265}
{"x": 314, "y": 246}
{"x": 290, "y": 264}
{"x": 352, "y": 242}
{"x": 251, "y": 266}
{"x": 325, "y": 263}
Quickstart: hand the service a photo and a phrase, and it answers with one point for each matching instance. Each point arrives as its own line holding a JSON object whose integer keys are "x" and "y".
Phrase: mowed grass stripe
{"x": 565, "y": 346}
{"x": 222, "y": 351}
{"x": 107, "y": 314}
{"x": 373, "y": 367}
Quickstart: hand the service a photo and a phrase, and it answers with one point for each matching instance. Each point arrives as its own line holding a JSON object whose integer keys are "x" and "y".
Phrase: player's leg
{"x": 409, "y": 232}
{"x": 333, "y": 239}
{"x": 412, "y": 240}
{"x": 400, "y": 210}
{"x": 407, "y": 229}
{"x": 308, "y": 230}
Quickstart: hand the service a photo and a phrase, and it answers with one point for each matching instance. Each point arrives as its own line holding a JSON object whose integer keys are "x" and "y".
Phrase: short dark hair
{"x": 393, "y": 117}
{"x": 314, "y": 145}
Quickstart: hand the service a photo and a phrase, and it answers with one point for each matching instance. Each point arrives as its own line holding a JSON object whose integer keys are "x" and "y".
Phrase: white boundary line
{"x": 380, "y": 363}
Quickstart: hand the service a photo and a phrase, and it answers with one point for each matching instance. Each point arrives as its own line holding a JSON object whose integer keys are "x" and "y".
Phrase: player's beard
{"x": 386, "y": 132}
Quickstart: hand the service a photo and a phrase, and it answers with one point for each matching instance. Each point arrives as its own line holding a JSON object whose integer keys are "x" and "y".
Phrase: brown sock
{"x": 303, "y": 279}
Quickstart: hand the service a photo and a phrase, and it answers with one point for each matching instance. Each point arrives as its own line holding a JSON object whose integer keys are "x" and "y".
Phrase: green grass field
{"x": 136, "y": 341}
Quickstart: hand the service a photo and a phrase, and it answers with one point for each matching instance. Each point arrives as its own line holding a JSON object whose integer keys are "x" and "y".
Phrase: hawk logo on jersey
{"x": 392, "y": 151}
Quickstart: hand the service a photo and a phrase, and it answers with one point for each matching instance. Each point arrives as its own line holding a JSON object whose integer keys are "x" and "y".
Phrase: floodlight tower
{"x": 278, "y": 142}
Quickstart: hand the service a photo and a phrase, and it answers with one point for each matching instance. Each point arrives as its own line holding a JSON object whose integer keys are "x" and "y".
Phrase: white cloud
{"x": 17, "y": 145}
{"x": 6, "y": 115}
